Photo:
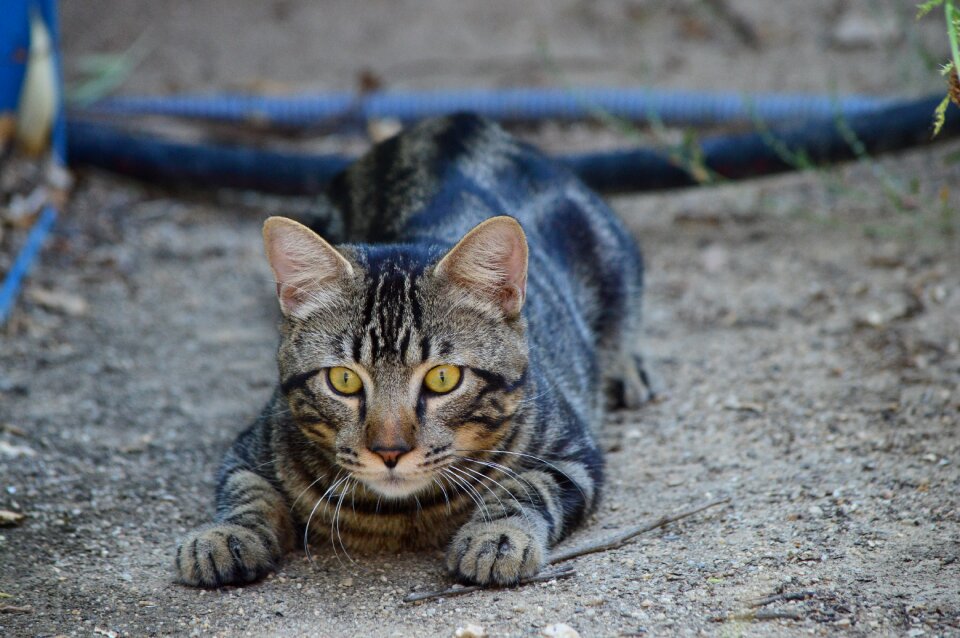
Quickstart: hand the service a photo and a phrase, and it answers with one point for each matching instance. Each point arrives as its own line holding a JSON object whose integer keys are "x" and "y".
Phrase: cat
{"x": 442, "y": 368}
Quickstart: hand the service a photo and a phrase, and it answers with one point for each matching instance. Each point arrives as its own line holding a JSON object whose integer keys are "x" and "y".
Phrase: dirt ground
{"x": 806, "y": 329}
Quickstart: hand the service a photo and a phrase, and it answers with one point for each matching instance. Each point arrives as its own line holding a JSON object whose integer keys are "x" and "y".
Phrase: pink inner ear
{"x": 492, "y": 259}
{"x": 304, "y": 265}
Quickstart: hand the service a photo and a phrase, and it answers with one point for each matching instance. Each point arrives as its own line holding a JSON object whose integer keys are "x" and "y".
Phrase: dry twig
{"x": 13, "y": 609}
{"x": 783, "y": 596}
{"x": 763, "y": 614}
{"x": 740, "y": 25}
{"x": 601, "y": 545}
{"x": 618, "y": 539}
{"x": 547, "y": 574}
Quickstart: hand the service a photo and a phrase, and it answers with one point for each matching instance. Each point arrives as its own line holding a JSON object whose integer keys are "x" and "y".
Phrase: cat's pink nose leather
{"x": 390, "y": 456}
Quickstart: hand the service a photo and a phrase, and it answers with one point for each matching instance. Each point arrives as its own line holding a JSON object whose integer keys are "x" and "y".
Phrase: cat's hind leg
{"x": 252, "y": 532}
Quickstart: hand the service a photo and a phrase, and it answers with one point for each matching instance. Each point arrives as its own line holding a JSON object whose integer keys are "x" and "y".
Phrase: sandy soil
{"x": 806, "y": 329}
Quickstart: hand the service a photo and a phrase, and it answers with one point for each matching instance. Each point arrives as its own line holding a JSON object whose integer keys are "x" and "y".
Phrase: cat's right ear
{"x": 305, "y": 267}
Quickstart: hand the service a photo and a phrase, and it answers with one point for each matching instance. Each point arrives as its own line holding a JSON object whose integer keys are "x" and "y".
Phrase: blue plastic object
{"x": 10, "y": 287}
{"x": 14, "y": 45}
{"x": 519, "y": 104}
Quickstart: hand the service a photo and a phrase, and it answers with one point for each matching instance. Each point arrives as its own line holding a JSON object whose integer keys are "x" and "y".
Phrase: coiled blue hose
{"x": 519, "y": 104}
{"x": 820, "y": 140}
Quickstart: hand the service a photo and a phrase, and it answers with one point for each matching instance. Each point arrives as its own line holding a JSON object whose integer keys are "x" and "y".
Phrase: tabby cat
{"x": 441, "y": 369}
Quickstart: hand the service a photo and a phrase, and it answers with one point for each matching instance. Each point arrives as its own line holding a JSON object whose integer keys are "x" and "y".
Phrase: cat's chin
{"x": 394, "y": 486}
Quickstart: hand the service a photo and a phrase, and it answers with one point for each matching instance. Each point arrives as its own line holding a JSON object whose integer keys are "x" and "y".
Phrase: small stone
{"x": 12, "y": 451}
{"x": 863, "y": 30}
{"x": 58, "y": 301}
{"x": 560, "y": 630}
{"x": 647, "y": 604}
{"x": 346, "y": 582}
{"x": 9, "y": 519}
{"x": 815, "y": 511}
{"x": 470, "y": 631}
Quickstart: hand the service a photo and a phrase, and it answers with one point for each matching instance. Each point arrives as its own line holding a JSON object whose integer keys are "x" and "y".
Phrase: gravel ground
{"x": 806, "y": 329}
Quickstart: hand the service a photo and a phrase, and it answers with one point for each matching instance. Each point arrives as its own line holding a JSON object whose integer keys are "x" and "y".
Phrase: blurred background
{"x": 844, "y": 46}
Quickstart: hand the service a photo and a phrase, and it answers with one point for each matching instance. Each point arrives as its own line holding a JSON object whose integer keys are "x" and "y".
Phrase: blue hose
{"x": 819, "y": 141}
{"x": 10, "y": 287}
{"x": 521, "y": 104}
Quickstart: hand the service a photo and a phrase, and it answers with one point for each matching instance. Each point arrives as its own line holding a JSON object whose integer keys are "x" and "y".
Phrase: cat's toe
{"x": 220, "y": 555}
{"x": 495, "y": 553}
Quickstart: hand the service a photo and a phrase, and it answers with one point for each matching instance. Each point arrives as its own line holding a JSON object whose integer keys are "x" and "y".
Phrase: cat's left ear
{"x": 305, "y": 267}
{"x": 491, "y": 260}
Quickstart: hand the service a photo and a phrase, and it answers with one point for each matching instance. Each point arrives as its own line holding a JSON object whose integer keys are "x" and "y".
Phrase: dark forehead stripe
{"x": 392, "y": 310}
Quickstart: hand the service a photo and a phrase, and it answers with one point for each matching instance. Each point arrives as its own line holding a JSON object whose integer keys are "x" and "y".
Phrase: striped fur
{"x": 500, "y": 468}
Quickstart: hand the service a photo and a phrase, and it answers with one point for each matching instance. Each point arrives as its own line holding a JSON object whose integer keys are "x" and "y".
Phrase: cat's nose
{"x": 390, "y": 455}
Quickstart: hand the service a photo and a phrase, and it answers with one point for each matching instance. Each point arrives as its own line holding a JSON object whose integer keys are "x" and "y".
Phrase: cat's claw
{"x": 495, "y": 553}
{"x": 225, "y": 554}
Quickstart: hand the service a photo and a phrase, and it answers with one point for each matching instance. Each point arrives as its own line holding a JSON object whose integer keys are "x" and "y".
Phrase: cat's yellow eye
{"x": 442, "y": 379}
{"x": 344, "y": 380}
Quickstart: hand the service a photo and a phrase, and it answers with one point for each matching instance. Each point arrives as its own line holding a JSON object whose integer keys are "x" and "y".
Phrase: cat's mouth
{"x": 392, "y": 484}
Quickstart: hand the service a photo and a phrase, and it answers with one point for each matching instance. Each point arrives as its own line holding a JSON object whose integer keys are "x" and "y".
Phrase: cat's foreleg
{"x": 522, "y": 515}
{"x": 252, "y": 532}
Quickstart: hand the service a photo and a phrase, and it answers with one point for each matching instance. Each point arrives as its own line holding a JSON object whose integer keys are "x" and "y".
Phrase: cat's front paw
{"x": 218, "y": 555}
{"x": 496, "y": 553}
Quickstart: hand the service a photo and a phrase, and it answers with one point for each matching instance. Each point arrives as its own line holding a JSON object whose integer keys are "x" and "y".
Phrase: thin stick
{"x": 605, "y": 544}
{"x": 547, "y": 574}
{"x": 783, "y": 596}
{"x": 741, "y": 27}
{"x": 13, "y": 609}
{"x": 618, "y": 539}
{"x": 763, "y": 614}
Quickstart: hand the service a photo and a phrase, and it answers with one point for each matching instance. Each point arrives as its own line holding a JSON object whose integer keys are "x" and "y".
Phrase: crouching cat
{"x": 442, "y": 368}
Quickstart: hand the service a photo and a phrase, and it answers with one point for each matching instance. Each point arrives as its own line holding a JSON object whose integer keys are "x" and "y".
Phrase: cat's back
{"x": 435, "y": 181}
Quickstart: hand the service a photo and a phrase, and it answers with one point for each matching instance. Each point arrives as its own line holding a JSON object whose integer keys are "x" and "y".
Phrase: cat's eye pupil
{"x": 344, "y": 380}
{"x": 442, "y": 379}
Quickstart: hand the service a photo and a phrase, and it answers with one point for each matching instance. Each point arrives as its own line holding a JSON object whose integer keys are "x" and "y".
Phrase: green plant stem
{"x": 953, "y": 20}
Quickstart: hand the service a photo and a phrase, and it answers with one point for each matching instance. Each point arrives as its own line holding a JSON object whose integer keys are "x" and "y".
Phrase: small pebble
{"x": 560, "y": 630}
{"x": 470, "y": 631}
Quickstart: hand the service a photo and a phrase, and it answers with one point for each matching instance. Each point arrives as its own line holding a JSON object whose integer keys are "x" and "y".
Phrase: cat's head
{"x": 395, "y": 359}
